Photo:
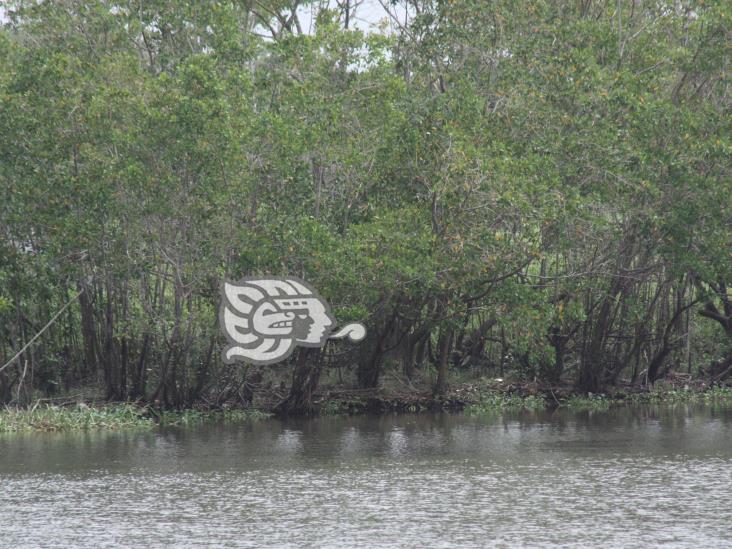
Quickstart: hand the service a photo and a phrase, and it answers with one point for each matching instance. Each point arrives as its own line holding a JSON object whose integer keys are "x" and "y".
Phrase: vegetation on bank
{"x": 112, "y": 417}
{"x": 535, "y": 190}
{"x": 125, "y": 416}
{"x": 579, "y": 402}
{"x": 53, "y": 418}
{"x": 716, "y": 394}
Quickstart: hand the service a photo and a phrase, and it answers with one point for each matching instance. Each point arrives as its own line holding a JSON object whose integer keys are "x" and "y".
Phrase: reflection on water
{"x": 629, "y": 477}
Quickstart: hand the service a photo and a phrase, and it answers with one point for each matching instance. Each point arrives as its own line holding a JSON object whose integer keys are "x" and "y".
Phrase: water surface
{"x": 631, "y": 477}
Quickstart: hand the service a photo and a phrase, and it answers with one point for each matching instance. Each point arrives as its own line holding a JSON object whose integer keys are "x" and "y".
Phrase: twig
{"x": 58, "y": 314}
{"x": 22, "y": 379}
{"x": 554, "y": 396}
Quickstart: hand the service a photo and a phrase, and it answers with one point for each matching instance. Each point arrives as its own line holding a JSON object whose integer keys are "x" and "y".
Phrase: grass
{"x": 493, "y": 402}
{"x": 53, "y": 418}
{"x": 194, "y": 417}
{"x": 714, "y": 394}
{"x": 654, "y": 396}
{"x": 588, "y": 402}
{"x": 112, "y": 417}
{"x": 497, "y": 401}
{"x": 340, "y": 407}
{"x": 127, "y": 416}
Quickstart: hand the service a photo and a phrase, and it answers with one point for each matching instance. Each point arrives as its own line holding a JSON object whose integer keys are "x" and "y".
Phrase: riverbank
{"x": 473, "y": 398}
{"x": 47, "y": 417}
{"x": 491, "y": 397}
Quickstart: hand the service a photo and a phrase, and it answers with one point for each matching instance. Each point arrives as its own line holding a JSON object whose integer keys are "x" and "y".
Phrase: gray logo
{"x": 266, "y": 318}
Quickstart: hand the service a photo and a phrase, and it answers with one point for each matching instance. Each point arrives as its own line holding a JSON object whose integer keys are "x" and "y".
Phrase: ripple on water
{"x": 405, "y": 481}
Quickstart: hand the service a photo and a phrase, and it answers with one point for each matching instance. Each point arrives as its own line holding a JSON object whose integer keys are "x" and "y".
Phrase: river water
{"x": 628, "y": 477}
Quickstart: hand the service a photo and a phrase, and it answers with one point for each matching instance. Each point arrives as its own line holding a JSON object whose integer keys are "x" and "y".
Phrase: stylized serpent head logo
{"x": 266, "y": 318}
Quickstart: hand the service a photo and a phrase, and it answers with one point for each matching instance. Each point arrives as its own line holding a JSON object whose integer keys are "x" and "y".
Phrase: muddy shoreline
{"x": 335, "y": 401}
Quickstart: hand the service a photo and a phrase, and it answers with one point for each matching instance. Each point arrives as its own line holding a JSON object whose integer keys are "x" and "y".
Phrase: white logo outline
{"x": 265, "y": 318}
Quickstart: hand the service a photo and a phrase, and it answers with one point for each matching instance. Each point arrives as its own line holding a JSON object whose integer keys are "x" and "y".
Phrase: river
{"x": 628, "y": 477}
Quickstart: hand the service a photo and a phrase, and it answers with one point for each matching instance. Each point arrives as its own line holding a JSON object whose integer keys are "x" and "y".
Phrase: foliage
{"x": 112, "y": 417}
{"x": 533, "y": 190}
{"x": 339, "y": 406}
{"x": 189, "y": 417}
{"x": 54, "y": 418}
{"x": 500, "y": 401}
{"x": 588, "y": 402}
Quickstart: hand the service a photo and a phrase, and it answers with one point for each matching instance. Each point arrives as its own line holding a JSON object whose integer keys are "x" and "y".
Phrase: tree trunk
{"x": 444, "y": 345}
{"x": 369, "y": 362}
{"x": 305, "y": 379}
{"x": 410, "y": 344}
{"x": 558, "y": 340}
{"x": 87, "y": 329}
{"x": 369, "y": 367}
{"x": 140, "y": 380}
{"x": 593, "y": 364}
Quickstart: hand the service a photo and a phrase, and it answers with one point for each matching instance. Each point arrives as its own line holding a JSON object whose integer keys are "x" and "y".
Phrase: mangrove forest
{"x": 534, "y": 192}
